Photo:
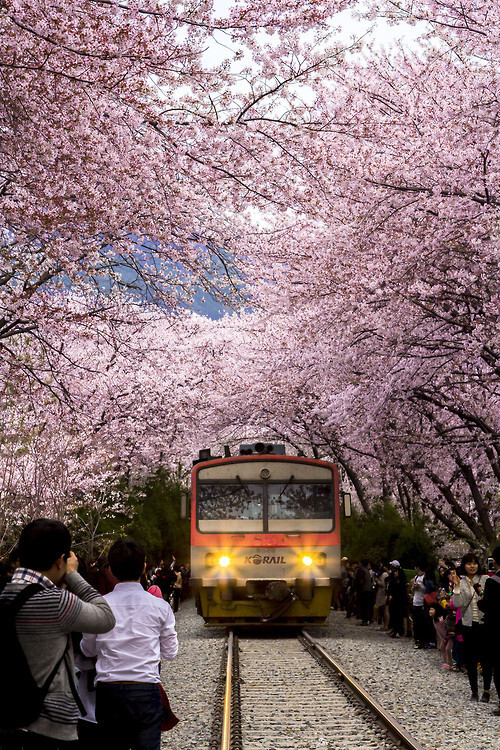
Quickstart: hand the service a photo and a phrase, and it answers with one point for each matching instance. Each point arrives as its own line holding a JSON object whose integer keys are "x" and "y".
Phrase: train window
{"x": 307, "y": 506}
{"x": 227, "y": 502}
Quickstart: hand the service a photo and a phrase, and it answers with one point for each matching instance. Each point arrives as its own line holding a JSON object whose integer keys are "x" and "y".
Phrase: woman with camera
{"x": 467, "y": 591}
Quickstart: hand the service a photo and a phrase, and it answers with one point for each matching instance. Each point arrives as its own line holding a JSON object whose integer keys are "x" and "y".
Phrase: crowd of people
{"x": 92, "y": 637}
{"x": 169, "y": 581}
{"x": 454, "y": 609}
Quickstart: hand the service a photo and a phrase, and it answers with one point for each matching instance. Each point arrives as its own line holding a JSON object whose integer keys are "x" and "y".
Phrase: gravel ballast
{"x": 190, "y": 680}
{"x": 433, "y": 704}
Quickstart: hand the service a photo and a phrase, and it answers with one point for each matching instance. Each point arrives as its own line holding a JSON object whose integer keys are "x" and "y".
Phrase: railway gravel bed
{"x": 432, "y": 705}
{"x": 289, "y": 701}
{"x": 191, "y": 680}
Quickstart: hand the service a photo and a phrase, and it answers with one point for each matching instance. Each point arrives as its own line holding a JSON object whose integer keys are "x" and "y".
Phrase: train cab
{"x": 265, "y": 538}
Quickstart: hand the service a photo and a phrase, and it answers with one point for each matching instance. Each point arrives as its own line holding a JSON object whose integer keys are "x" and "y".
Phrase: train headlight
{"x": 224, "y": 561}
{"x": 321, "y": 559}
{"x": 209, "y": 559}
{"x": 307, "y": 560}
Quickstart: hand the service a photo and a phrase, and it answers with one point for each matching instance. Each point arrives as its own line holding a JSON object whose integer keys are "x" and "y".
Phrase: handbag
{"x": 450, "y": 624}
{"x": 431, "y": 599}
{"x": 168, "y": 718}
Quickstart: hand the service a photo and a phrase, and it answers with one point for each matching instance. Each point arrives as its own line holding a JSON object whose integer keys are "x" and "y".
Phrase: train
{"x": 265, "y": 537}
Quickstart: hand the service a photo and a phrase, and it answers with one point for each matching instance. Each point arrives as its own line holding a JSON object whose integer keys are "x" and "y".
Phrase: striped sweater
{"x": 43, "y": 624}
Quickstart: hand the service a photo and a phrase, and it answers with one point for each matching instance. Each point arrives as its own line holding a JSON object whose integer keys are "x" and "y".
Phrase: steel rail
{"x": 226, "y": 718}
{"x": 397, "y": 731}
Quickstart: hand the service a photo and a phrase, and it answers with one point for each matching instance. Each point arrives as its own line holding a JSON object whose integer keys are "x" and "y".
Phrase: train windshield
{"x": 300, "y": 501}
{"x": 224, "y": 506}
{"x": 291, "y": 506}
{"x": 301, "y": 506}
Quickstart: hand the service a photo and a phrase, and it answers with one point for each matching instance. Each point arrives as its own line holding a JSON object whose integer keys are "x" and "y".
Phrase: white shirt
{"x": 144, "y": 631}
{"x": 473, "y": 604}
{"x": 419, "y": 590}
{"x": 84, "y": 665}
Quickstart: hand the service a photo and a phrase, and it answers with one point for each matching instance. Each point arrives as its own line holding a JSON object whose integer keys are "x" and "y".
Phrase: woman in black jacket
{"x": 396, "y": 597}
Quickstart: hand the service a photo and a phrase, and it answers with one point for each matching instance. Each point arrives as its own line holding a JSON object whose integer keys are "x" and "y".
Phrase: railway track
{"x": 288, "y": 693}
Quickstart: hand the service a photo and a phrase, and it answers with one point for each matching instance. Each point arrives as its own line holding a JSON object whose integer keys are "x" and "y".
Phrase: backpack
{"x": 22, "y": 699}
{"x": 450, "y": 622}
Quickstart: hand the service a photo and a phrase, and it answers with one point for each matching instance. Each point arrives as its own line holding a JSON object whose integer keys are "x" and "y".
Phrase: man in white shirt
{"x": 419, "y": 615}
{"x": 128, "y": 700}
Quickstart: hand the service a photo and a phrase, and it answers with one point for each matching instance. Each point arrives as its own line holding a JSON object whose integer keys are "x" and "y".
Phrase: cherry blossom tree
{"x": 354, "y": 192}
{"x": 132, "y": 405}
{"x": 386, "y": 269}
{"x": 112, "y": 151}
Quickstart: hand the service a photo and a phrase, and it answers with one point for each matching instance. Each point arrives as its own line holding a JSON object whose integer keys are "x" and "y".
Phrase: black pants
{"x": 89, "y": 736}
{"x": 32, "y": 741}
{"x": 365, "y": 606}
{"x": 420, "y": 629}
{"x": 476, "y": 650}
{"x": 176, "y": 596}
{"x": 129, "y": 715}
{"x": 397, "y": 613}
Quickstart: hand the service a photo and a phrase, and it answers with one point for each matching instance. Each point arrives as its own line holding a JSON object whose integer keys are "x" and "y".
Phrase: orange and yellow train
{"x": 265, "y": 537}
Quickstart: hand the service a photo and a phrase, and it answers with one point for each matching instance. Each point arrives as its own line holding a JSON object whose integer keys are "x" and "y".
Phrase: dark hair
{"x": 429, "y": 573}
{"x": 468, "y": 558}
{"x": 439, "y": 611}
{"x": 42, "y": 542}
{"x": 495, "y": 554}
{"x": 126, "y": 559}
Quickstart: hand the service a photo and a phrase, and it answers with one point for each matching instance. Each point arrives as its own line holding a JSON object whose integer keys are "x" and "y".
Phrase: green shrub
{"x": 382, "y": 534}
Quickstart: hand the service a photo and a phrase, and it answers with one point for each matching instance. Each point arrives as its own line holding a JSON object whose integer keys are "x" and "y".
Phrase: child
{"x": 437, "y": 613}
